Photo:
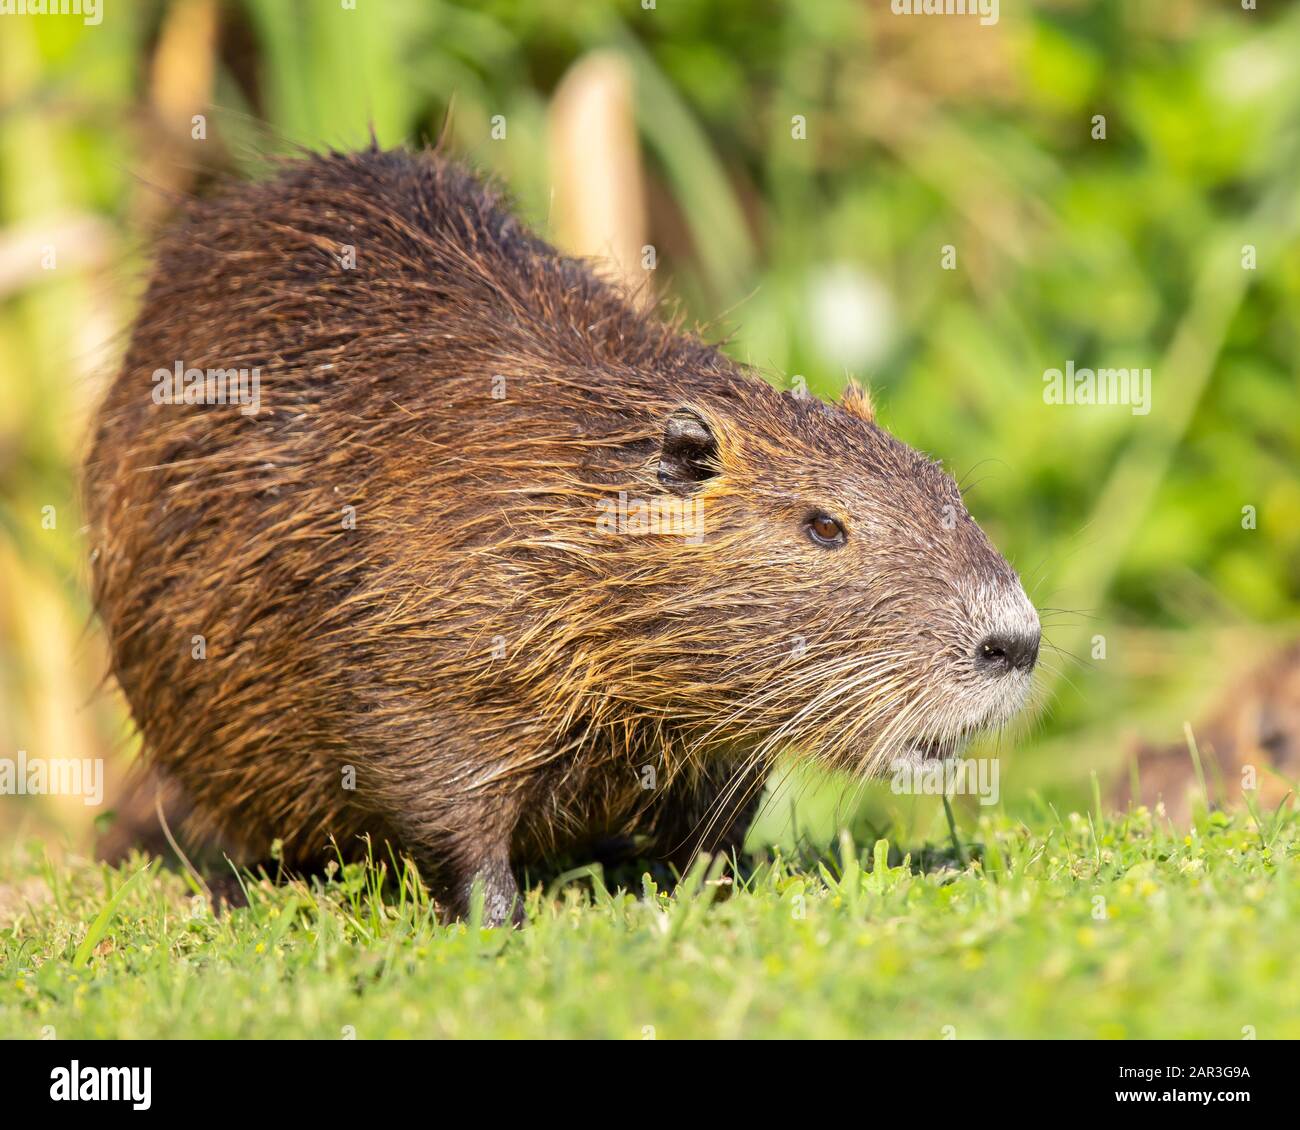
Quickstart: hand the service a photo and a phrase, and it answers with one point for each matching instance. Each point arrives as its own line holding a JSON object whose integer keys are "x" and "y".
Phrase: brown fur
{"x": 498, "y": 672}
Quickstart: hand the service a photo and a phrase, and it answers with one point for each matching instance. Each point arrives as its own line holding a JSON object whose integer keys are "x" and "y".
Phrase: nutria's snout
{"x": 991, "y": 686}
{"x": 1009, "y": 647}
{"x": 1007, "y": 651}
{"x": 1006, "y": 656}
{"x": 982, "y": 656}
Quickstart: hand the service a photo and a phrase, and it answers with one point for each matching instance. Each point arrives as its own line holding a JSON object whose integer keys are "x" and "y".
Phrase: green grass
{"x": 1195, "y": 936}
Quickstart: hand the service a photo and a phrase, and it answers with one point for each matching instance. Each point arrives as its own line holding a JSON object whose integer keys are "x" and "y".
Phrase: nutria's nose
{"x": 1001, "y": 652}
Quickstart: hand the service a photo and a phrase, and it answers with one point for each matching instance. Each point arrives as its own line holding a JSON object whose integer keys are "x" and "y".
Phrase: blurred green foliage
{"x": 816, "y": 257}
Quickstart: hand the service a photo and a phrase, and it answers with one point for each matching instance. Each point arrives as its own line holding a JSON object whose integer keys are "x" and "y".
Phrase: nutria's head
{"x": 838, "y": 600}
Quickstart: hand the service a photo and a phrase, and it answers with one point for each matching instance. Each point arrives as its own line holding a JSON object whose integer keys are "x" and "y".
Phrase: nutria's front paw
{"x": 502, "y": 902}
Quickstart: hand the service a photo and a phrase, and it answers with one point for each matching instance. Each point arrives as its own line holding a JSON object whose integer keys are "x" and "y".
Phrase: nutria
{"x": 493, "y": 564}
{"x": 1248, "y": 745}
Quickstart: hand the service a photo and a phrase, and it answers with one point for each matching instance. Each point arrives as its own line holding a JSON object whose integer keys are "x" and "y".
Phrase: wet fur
{"x": 498, "y": 672}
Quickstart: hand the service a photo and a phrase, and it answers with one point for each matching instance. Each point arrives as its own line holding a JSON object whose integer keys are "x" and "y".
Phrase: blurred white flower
{"x": 1250, "y": 73}
{"x": 851, "y": 316}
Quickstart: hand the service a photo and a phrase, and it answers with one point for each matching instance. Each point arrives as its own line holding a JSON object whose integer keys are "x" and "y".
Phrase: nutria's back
{"x": 500, "y": 565}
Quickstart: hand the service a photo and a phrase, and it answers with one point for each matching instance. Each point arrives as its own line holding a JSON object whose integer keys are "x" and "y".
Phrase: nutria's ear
{"x": 857, "y": 400}
{"x": 690, "y": 452}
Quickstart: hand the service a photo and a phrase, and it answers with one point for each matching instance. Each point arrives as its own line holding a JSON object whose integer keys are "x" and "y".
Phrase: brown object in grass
{"x": 1251, "y": 739}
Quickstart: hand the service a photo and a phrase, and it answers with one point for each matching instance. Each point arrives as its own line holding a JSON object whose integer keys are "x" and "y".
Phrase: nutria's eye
{"x": 825, "y": 530}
